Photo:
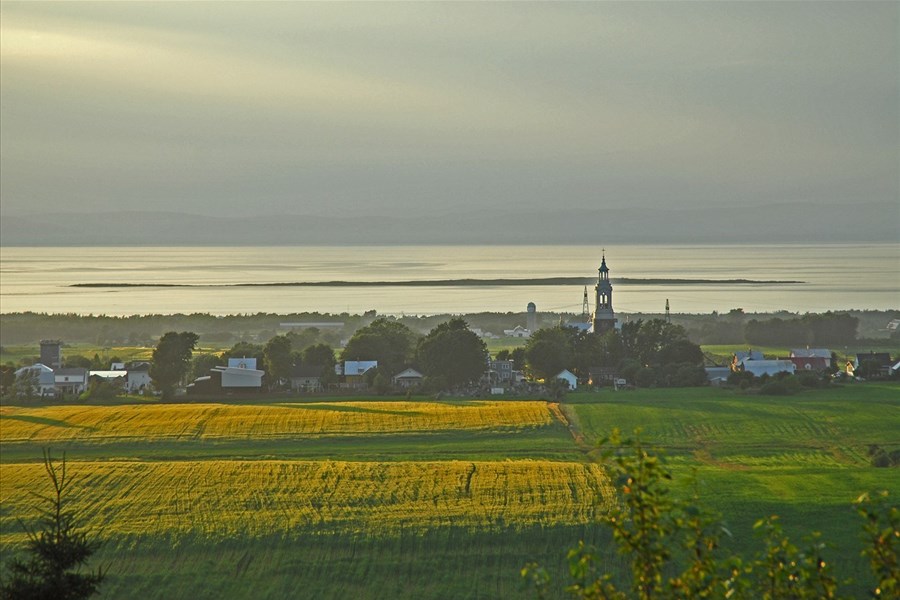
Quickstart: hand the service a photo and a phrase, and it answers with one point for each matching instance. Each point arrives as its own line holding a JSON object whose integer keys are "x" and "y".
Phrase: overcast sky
{"x": 370, "y": 108}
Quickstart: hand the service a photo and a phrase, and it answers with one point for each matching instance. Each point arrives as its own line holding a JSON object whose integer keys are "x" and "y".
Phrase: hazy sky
{"x": 370, "y": 108}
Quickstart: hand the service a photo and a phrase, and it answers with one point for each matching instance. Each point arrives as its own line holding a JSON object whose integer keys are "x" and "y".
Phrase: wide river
{"x": 207, "y": 279}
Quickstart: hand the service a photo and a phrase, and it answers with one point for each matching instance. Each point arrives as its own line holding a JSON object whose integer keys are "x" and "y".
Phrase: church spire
{"x": 604, "y": 317}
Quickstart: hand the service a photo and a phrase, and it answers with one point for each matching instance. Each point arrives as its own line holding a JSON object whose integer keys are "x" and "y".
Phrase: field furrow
{"x": 220, "y": 499}
{"x": 263, "y": 421}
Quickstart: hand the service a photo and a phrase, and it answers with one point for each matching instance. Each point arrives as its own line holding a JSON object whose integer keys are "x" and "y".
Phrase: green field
{"x": 423, "y": 499}
{"x": 801, "y": 457}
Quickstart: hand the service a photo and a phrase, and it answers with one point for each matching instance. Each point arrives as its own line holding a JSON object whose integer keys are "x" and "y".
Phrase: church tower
{"x": 604, "y": 318}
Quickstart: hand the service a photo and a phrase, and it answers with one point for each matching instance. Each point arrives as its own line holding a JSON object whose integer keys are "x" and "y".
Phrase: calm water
{"x": 834, "y": 276}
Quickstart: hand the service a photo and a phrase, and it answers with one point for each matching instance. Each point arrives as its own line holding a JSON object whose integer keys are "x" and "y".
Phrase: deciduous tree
{"x": 278, "y": 359}
{"x": 549, "y": 351}
{"x": 453, "y": 352}
{"x": 172, "y": 360}
{"x": 319, "y": 354}
{"x": 389, "y": 342}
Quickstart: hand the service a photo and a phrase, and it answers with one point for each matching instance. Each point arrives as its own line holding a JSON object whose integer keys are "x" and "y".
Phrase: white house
{"x": 517, "y": 332}
{"x": 138, "y": 378}
{"x": 407, "y": 378}
{"x": 43, "y": 379}
{"x": 307, "y": 378}
{"x": 568, "y": 377}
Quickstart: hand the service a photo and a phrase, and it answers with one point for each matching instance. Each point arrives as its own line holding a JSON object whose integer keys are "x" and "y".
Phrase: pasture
{"x": 804, "y": 457}
{"x": 381, "y": 499}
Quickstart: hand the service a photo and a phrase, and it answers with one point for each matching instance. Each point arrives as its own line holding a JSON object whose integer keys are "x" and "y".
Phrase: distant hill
{"x": 777, "y": 223}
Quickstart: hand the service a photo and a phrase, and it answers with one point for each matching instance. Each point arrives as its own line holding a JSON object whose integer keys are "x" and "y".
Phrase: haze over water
{"x": 834, "y": 277}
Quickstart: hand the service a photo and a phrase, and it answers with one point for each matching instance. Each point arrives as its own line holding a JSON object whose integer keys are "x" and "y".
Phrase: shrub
{"x": 784, "y": 386}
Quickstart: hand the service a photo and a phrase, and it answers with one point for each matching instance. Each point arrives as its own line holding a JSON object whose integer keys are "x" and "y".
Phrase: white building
{"x": 517, "y": 332}
{"x": 240, "y": 373}
{"x": 408, "y": 378}
{"x": 42, "y": 376}
{"x": 138, "y": 378}
{"x": 568, "y": 377}
{"x": 242, "y": 363}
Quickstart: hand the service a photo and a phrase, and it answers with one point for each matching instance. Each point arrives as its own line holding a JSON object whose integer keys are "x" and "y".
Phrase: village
{"x": 385, "y": 357}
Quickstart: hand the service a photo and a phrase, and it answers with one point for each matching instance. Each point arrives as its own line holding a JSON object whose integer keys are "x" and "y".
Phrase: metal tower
{"x": 585, "y": 308}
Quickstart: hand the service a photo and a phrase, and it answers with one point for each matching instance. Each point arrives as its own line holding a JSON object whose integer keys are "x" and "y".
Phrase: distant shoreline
{"x": 544, "y": 281}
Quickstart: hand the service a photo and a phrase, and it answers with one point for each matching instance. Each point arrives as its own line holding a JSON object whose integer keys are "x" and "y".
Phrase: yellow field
{"x": 228, "y": 496}
{"x": 218, "y": 499}
{"x": 219, "y": 421}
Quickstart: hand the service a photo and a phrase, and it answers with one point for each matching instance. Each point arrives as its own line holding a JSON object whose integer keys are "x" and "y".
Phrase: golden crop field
{"x": 97, "y": 424}
{"x": 217, "y": 499}
{"x": 174, "y": 490}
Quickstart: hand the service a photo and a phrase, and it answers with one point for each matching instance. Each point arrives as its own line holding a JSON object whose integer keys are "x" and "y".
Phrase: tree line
{"x": 649, "y": 353}
{"x": 450, "y": 355}
{"x": 732, "y": 327}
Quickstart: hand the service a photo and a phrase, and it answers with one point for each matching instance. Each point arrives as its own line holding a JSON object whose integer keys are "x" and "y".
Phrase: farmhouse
{"x": 811, "y": 359}
{"x": 517, "y": 332}
{"x": 501, "y": 371}
{"x": 871, "y": 364}
{"x": 354, "y": 372}
{"x": 407, "y": 378}
{"x": 54, "y": 382}
{"x": 602, "y": 375}
{"x": 71, "y": 381}
{"x": 42, "y": 378}
{"x": 307, "y": 378}
{"x": 138, "y": 378}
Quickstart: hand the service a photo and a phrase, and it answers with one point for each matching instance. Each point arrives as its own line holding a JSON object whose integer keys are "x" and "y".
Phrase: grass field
{"x": 423, "y": 499}
{"x": 802, "y": 457}
{"x": 14, "y": 353}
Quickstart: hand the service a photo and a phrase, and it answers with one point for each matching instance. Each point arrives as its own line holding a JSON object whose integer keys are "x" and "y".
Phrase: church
{"x": 604, "y": 318}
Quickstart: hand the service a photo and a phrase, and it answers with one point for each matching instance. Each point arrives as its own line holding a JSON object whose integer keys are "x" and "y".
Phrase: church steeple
{"x": 604, "y": 317}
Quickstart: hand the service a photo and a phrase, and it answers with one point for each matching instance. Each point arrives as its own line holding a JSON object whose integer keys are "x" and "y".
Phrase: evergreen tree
{"x": 56, "y": 552}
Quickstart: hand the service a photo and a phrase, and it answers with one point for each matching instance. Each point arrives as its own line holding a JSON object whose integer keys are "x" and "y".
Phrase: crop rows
{"x": 219, "y": 499}
{"x": 257, "y": 422}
